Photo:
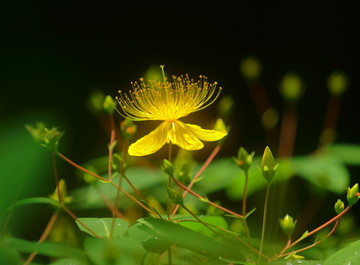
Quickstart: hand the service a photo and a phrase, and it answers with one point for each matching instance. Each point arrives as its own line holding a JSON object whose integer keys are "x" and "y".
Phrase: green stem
{"x": 245, "y": 193}
{"x": 122, "y": 170}
{"x": 169, "y": 204}
{"x": 266, "y": 203}
{"x": 244, "y": 203}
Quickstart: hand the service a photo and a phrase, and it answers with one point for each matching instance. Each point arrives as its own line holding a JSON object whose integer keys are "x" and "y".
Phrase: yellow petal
{"x": 150, "y": 143}
{"x": 181, "y": 135}
{"x": 206, "y": 135}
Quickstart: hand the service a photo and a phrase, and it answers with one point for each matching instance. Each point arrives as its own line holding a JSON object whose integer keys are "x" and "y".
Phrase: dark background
{"x": 54, "y": 53}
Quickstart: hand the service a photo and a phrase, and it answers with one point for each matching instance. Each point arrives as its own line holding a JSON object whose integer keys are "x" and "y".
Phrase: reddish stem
{"x": 82, "y": 168}
{"x": 198, "y": 174}
{"x": 316, "y": 230}
{"x": 107, "y": 181}
{"x": 206, "y": 200}
{"x": 288, "y": 132}
{"x": 314, "y": 244}
{"x": 43, "y": 236}
{"x": 111, "y": 151}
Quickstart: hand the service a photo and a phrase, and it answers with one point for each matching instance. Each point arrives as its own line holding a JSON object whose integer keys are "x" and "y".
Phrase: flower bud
{"x": 250, "y": 68}
{"x": 268, "y": 165}
{"x": 225, "y": 106}
{"x": 128, "y": 129}
{"x": 221, "y": 127}
{"x": 243, "y": 159}
{"x": 61, "y": 188}
{"x": 109, "y": 105}
{"x": 168, "y": 167}
{"x": 339, "y": 206}
{"x": 337, "y": 83}
{"x": 96, "y": 101}
{"x": 291, "y": 87}
{"x": 48, "y": 138}
{"x": 352, "y": 194}
{"x": 175, "y": 196}
{"x": 287, "y": 225}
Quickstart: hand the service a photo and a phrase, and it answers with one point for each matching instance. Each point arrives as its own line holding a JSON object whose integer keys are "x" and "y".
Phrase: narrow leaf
{"x": 102, "y": 226}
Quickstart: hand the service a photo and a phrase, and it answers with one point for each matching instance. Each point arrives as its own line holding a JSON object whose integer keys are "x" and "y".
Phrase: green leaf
{"x": 323, "y": 170}
{"x": 298, "y": 262}
{"x": 122, "y": 251}
{"x": 213, "y": 221}
{"x": 9, "y": 256}
{"x": 46, "y": 248}
{"x": 68, "y": 262}
{"x": 89, "y": 196}
{"x": 188, "y": 239}
{"x": 225, "y": 174}
{"x": 102, "y": 226}
{"x": 348, "y": 153}
{"x": 348, "y": 255}
{"x": 36, "y": 200}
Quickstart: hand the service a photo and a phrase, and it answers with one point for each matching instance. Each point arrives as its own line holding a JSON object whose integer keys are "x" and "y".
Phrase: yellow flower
{"x": 168, "y": 102}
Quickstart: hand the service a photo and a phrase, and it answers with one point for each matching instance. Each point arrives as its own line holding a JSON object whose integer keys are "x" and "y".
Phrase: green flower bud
{"x": 353, "y": 194}
{"x": 220, "y": 126}
{"x": 337, "y": 83}
{"x": 63, "y": 193}
{"x": 45, "y": 137}
{"x": 268, "y": 165}
{"x": 175, "y": 196}
{"x": 250, "y": 68}
{"x": 109, "y": 105}
{"x": 128, "y": 129}
{"x": 154, "y": 73}
{"x": 225, "y": 106}
{"x": 243, "y": 159}
{"x": 291, "y": 87}
{"x": 339, "y": 206}
{"x": 287, "y": 225}
{"x": 168, "y": 167}
{"x": 270, "y": 118}
{"x": 96, "y": 101}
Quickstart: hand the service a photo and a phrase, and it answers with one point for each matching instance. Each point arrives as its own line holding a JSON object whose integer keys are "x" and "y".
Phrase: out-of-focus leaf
{"x": 9, "y": 256}
{"x": 36, "y": 200}
{"x": 189, "y": 239}
{"x": 122, "y": 251}
{"x": 69, "y": 262}
{"x": 297, "y": 262}
{"x": 102, "y": 226}
{"x": 142, "y": 178}
{"x": 349, "y": 255}
{"x": 46, "y": 248}
{"x": 213, "y": 221}
{"x": 348, "y": 153}
{"x": 225, "y": 174}
{"x": 326, "y": 171}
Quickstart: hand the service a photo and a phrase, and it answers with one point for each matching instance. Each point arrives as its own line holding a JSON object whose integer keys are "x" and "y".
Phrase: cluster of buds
{"x": 48, "y": 138}
{"x": 244, "y": 159}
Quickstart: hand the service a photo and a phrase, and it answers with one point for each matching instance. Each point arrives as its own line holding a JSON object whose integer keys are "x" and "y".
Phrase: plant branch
{"x": 198, "y": 174}
{"x": 206, "y": 200}
{"x": 44, "y": 235}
